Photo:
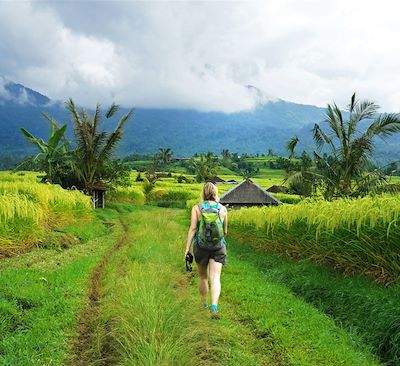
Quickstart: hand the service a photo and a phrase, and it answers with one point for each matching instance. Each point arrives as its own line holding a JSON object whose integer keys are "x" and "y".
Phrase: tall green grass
{"x": 41, "y": 295}
{"x": 353, "y": 235}
{"x": 152, "y": 313}
{"x": 28, "y": 209}
{"x": 151, "y": 308}
{"x": 355, "y": 303}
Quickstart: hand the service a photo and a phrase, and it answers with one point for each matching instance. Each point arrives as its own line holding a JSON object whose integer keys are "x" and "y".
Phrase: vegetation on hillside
{"x": 88, "y": 159}
{"x": 29, "y": 209}
{"x": 354, "y": 235}
{"x": 343, "y": 171}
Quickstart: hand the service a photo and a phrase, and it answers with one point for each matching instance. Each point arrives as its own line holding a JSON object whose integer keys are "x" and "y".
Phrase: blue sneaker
{"x": 214, "y": 312}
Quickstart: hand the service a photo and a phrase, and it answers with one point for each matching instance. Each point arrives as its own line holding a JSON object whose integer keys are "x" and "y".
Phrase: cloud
{"x": 202, "y": 55}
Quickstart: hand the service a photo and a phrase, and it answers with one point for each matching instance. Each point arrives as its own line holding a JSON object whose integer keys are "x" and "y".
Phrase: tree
{"x": 248, "y": 170}
{"x": 226, "y": 155}
{"x": 165, "y": 155}
{"x": 204, "y": 168}
{"x": 94, "y": 148}
{"x": 52, "y": 152}
{"x": 343, "y": 171}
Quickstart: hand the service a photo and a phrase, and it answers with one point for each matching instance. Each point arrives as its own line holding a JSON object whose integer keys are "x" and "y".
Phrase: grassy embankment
{"x": 53, "y": 291}
{"x": 29, "y": 210}
{"x": 43, "y": 292}
{"x": 354, "y": 236}
{"x": 151, "y": 314}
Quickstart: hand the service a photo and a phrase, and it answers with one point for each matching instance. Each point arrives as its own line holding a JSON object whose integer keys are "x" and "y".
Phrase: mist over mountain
{"x": 268, "y": 126}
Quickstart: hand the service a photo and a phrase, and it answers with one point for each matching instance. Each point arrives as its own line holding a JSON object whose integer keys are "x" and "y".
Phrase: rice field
{"x": 354, "y": 235}
{"x": 28, "y": 209}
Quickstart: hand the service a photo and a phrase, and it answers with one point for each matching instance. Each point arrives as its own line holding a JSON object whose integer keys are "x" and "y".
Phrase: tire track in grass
{"x": 304, "y": 335}
{"x": 82, "y": 350}
{"x": 154, "y": 307}
{"x": 284, "y": 327}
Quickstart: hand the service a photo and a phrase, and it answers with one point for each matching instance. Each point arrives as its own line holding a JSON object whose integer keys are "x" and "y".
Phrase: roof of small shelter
{"x": 248, "y": 193}
{"x": 216, "y": 180}
{"x": 99, "y": 186}
{"x": 231, "y": 181}
{"x": 277, "y": 189}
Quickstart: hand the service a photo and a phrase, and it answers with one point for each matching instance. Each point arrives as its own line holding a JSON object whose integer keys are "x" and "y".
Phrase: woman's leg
{"x": 215, "y": 280}
{"x": 203, "y": 282}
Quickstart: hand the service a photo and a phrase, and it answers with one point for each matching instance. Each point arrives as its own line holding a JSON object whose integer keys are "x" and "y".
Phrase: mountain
{"x": 268, "y": 126}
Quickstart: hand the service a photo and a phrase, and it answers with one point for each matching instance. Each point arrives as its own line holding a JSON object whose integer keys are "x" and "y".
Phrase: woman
{"x": 209, "y": 262}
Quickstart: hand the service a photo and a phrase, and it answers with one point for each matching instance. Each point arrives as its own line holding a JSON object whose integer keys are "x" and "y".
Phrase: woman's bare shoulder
{"x": 196, "y": 208}
{"x": 223, "y": 208}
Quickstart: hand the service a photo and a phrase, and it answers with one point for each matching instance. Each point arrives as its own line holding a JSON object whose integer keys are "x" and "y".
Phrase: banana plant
{"x": 51, "y": 152}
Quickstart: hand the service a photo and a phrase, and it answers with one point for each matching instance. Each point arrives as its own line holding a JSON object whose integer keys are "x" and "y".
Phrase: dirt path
{"x": 156, "y": 317}
{"x": 82, "y": 351}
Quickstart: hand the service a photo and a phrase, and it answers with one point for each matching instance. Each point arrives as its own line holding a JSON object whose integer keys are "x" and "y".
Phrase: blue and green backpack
{"x": 210, "y": 229}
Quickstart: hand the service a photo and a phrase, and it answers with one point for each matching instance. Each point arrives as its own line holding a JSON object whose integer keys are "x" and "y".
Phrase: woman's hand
{"x": 186, "y": 253}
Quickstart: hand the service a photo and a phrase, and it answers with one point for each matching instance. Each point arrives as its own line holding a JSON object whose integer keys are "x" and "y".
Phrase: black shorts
{"x": 202, "y": 256}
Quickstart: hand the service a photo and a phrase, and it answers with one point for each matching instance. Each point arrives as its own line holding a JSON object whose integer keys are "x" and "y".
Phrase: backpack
{"x": 210, "y": 229}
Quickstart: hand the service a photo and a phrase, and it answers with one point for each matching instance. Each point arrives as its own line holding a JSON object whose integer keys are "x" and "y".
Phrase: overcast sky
{"x": 202, "y": 55}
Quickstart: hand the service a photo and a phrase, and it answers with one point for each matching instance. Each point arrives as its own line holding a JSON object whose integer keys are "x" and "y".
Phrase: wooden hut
{"x": 277, "y": 189}
{"x": 247, "y": 193}
{"x": 231, "y": 181}
{"x": 98, "y": 195}
{"x": 216, "y": 180}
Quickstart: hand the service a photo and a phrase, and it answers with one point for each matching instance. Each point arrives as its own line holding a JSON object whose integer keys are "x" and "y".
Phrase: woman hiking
{"x": 208, "y": 228}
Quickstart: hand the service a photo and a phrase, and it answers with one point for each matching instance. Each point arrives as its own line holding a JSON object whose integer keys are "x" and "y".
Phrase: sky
{"x": 203, "y": 54}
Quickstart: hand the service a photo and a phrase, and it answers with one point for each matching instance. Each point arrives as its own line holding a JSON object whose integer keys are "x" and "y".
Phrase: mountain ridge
{"x": 186, "y": 131}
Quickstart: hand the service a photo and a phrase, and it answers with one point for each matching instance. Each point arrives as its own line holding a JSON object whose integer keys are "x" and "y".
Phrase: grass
{"x": 28, "y": 209}
{"x": 353, "y": 235}
{"x": 286, "y": 313}
{"x": 354, "y": 303}
{"x": 41, "y": 295}
{"x": 152, "y": 313}
{"x": 153, "y": 307}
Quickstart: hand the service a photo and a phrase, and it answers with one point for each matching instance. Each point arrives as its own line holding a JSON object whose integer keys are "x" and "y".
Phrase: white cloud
{"x": 202, "y": 54}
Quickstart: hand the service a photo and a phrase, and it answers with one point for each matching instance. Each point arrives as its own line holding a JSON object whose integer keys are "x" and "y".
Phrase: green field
{"x": 109, "y": 287}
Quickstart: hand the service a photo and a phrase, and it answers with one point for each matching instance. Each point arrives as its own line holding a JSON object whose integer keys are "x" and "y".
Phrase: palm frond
{"x": 363, "y": 110}
{"x": 353, "y": 103}
{"x": 385, "y": 125}
{"x": 112, "y": 110}
{"x": 333, "y": 120}
{"x": 70, "y": 105}
{"x": 124, "y": 119}
{"x": 291, "y": 145}
{"x": 320, "y": 137}
{"x": 96, "y": 118}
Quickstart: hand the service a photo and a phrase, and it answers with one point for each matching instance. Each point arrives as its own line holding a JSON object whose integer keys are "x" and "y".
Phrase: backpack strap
{"x": 201, "y": 207}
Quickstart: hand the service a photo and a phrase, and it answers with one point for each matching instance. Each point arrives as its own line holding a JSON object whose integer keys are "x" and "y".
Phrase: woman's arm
{"x": 226, "y": 223}
{"x": 192, "y": 229}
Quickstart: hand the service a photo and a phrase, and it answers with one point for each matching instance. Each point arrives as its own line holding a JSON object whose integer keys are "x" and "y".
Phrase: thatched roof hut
{"x": 231, "y": 181}
{"x": 277, "y": 189}
{"x": 216, "y": 180}
{"x": 247, "y": 193}
{"x": 98, "y": 195}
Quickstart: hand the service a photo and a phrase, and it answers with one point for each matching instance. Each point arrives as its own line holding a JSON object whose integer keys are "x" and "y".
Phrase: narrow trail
{"x": 82, "y": 351}
{"x": 157, "y": 319}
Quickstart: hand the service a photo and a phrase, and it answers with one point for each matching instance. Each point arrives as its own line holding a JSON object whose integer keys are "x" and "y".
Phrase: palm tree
{"x": 226, "y": 155}
{"x": 343, "y": 171}
{"x": 204, "y": 168}
{"x": 94, "y": 148}
{"x": 165, "y": 155}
